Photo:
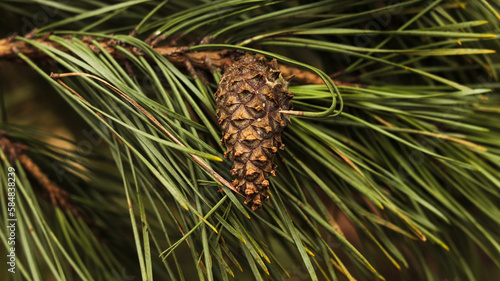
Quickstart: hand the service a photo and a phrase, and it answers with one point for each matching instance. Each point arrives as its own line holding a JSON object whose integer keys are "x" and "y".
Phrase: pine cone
{"x": 250, "y": 95}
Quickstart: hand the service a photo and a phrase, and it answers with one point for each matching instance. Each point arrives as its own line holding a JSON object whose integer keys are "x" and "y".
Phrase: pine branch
{"x": 179, "y": 56}
{"x": 413, "y": 157}
{"x": 16, "y": 151}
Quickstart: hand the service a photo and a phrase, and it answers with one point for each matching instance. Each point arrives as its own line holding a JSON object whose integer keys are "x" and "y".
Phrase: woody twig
{"x": 59, "y": 197}
{"x": 179, "y": 56}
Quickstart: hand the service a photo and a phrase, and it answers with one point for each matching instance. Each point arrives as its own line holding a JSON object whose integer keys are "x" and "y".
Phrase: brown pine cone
{"x": 250, "y": 95}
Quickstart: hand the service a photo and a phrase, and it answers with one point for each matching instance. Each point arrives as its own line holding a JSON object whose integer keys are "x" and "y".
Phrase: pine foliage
{"x": 392, "y": 159}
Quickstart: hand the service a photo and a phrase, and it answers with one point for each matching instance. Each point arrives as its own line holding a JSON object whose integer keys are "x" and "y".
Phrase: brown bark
{"x": 179, "y": 56}
{"x": 59, "y": 197}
